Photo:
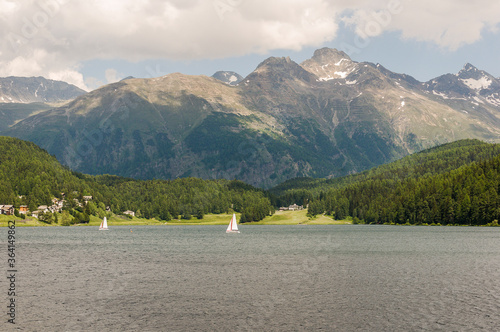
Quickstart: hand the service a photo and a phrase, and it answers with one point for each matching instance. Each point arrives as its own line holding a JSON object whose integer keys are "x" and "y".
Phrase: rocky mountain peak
{"x": 279, "y": 68}
{"x": 469, "y": 71}
{"x": 276, "y": 62}
{"x": 127, "y": 78}
{"x": 328, "y": 64}
{"x": 468, "y": 68}
{"x": 228, "y": 77}
{"x": 327, "y": 55}
{"x": 470, "y": 83}
{"x": 474, "y": 78}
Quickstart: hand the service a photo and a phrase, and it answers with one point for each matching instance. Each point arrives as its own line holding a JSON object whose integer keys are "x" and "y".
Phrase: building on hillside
{"x": 23, "y": 209}
{"x": 57, "y": 205}
{"x": 293, "y": 207}
{"x": 7, "y": 210}
{"x": 43, "y": 209}
{"x": 130, "y": 213}
{"x": 87, "y": 198}
{"x": 77, "y": 202}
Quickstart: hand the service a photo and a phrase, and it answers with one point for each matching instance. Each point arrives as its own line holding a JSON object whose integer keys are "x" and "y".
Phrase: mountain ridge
{"x": 36, "y": 89}
{"x": 327, "y": 117}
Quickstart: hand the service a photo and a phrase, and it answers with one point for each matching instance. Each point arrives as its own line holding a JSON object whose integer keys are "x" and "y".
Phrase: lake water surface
{"x": 268, "y": 278}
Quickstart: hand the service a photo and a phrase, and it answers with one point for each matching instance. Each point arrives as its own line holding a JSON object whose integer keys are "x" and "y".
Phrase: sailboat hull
{"x": 232, "y": 231}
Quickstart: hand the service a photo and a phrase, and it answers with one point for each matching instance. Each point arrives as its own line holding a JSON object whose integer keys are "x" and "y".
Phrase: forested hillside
{"x": 456, "y": 183}
{"x": 30, "y": 176}
{"x": 435, "y": 160}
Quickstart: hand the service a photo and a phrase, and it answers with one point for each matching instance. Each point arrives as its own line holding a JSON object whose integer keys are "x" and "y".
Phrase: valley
{"x": 453, "y": 184}
{"x": 341, "y": 137}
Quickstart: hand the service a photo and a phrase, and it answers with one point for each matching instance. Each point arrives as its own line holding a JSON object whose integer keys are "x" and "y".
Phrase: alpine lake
{"x": 267, "y": 278}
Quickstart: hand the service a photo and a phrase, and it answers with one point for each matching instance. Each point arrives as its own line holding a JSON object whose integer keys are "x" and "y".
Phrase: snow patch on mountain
{"x": 342, "y": 74}
{"x": 324, "y": 79}
{"x": 477, "y": 84}
{"x": 232, "y": 79}
{"x": 440, "y": 94}
{"x": 494, "y": 99}
{"x": 476, "y": 98}
{"x": 340, "y": 62}
{"x": 228, "y": 77}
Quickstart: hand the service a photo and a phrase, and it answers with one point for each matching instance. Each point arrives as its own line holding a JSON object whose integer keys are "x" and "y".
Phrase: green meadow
{"x": 279, "y": 218}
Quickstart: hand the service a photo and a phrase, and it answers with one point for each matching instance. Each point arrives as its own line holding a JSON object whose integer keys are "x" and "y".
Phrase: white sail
{"x": 230, "y": 226}
{"x": 233, "y": 226}
{"x": 104, "y": 225}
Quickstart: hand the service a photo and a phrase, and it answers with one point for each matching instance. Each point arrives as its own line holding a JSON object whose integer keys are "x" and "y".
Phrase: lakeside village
{"x": 56, "y": 207}
{"x": 43, "y": 211}
{"x": 58, "y": 204}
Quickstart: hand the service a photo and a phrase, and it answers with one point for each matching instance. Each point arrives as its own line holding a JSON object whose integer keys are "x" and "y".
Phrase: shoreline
{"x": 279, "y": 218}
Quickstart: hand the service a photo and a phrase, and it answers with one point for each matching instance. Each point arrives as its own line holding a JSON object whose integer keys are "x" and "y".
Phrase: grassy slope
{"x": 279, "y": 218}
{"x": 10, "y": 114}
{"x": 299, "y": 218}
{"x": 20, "y": 222}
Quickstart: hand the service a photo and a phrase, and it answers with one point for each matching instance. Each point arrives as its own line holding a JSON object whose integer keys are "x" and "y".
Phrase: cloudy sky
{"x": 93, "y": 42}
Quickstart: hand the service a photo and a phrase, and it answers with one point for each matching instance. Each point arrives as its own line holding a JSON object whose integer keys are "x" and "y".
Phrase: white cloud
{"x": 93, "y": 82}
{"x": 52, "y": 37}
{"x": 134, "y": 30}
{"x": 112, "y": 75}
{"x": 449, "y": 24}
{"x": 39, "y": 62}
{"x": 70, "y": 76}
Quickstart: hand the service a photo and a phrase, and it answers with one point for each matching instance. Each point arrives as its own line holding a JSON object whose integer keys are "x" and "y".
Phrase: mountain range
{"x": 326, "y": 117}
{"x": 36, "y": 89}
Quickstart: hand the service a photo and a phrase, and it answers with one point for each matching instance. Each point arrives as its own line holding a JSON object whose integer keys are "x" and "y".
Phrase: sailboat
{"x": 104, "y": 225}
{"x": 233, "y": 226}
